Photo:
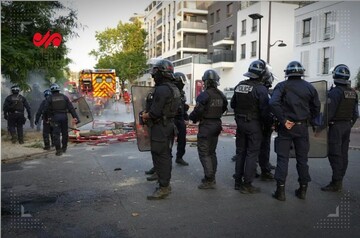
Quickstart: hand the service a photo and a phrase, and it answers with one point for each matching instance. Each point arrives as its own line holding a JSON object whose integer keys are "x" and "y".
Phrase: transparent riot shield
{"x": 83, "y": 110}
{"x": 319, "y": 139}
{"x": 140, "y": 95}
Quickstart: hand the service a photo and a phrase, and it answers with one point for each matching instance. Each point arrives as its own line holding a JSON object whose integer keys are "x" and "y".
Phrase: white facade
{"x": 328, "y": 34}
{"x": 281, "y": 28}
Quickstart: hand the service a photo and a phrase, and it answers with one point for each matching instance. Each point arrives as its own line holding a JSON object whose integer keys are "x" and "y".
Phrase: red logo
{"x": 48, "y": 38}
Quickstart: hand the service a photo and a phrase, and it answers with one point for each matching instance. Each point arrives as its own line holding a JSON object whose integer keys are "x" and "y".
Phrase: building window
{"x": 243, "y": 51}
{"x": 306, "y": 28}
{"x": 254, "y": 25}
{"x": 229, "y": 10}
{"x": 211, "y": 37}
{"x": 327, "y": 26}
{"x": 229, "y": 31}
{"x": 211, "y": 20}
{"x": 243, "y": 27}
{"x": 326, "y": 60}
{"x": 218, "y": 15}
{"x": 253, "y": 48}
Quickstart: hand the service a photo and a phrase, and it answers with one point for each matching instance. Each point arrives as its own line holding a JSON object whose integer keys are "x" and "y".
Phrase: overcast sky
{"x": 97, "y": 16}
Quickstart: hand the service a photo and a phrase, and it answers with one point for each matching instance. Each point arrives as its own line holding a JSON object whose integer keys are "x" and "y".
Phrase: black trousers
{"x": 207, "y": 140}
{"x": 339, "y": 139}
{"x": 60, "y": 130}
{"x": 299, "y": 136}
{"x": 264, "y": 156}
{"x": 16, "y": 122}
{"x": 249, "y": 136}
{"x": 47, "y": 134}
{"x": 181, "y": 137}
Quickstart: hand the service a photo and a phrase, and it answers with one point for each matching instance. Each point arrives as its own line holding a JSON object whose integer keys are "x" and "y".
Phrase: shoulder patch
{"x": 243, "y": 88}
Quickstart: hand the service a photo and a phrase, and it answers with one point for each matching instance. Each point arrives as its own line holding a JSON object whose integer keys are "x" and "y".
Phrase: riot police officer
{"x": 251, "y": 106}
{"x": 164, "y": 104}
{"x": 342, "y": 115}
{"x": 56, "y": 108}
{"x": 47, "y": 129}
{"x": 14, "y": 106}
{"x": 295, "y": 103}
{"x": 180, "y": 118}
{"x": 210, "y": 105}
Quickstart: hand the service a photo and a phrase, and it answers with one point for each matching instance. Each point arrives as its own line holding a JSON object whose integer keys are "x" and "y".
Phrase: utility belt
{"x": 164, "y": 120}
{"x": 17, "y": 112}
{"x": 304, "y": 122}
{"x": 245, "y": 117}
{"x": 337, "y": 121}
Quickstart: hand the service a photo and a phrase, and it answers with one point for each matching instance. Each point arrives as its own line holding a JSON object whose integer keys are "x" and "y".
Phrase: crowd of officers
{"x": 52, "y": 111}
{"x": 293, "y": 106}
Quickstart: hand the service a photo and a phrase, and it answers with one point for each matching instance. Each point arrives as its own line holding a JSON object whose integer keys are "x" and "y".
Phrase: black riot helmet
{"x": 211, "y": 78}
{"x": 15, "y": 89}
{"x": 180, "y": 80}
{"x": 162, "y": 69}
{"x": 294, "y": 68}
{"x": 256, "y": 69}
{"x": 54, "y": 87}
{"x": 341, "y": 74}
{"x": 47, "y": 93}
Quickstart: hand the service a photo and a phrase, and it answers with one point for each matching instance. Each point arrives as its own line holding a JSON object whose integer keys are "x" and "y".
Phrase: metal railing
{"x": 223, "y": 56}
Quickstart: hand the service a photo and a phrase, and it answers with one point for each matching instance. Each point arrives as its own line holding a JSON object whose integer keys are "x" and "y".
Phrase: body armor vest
{"x": 345, "y": 108}
{"x": 172, "y": 105}
{"x": 58, "y": 103}
{"x": 215, "y": 106}
{"x": 246, "y": 103}
{"x": 17, "y": 102}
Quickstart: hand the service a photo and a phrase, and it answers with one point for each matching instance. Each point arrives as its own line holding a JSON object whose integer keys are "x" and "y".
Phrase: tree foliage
{"x": 20, "y": 20}
{"x": 122, "y": 48}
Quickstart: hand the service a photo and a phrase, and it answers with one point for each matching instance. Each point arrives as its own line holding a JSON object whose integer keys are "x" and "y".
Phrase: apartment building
{"x": 327, "y": 34}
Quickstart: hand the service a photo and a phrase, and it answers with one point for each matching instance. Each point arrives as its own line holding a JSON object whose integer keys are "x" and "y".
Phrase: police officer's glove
{"x": 77, "y": 121}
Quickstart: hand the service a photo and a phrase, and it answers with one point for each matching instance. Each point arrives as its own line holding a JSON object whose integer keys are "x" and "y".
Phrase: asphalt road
{"x": 100, "y": 191}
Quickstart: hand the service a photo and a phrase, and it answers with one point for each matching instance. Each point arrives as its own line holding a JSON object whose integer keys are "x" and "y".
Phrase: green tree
{"x": 20, "y": 20}
{"x": 123, "y": 49}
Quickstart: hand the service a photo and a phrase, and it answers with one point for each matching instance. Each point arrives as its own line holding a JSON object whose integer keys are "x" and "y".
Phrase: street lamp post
{"x": 256, "y": 16}
{"x": 282, "y": 44}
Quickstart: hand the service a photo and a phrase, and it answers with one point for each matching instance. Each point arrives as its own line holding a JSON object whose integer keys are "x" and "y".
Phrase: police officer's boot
{"x": 153, "y": 177}
{"x": 13, "y": 137}
{"x": 279, "y": 194}
{"x": 333, "y": 186}
{"x": 150, "y": 171}
{"x": 266, "y": 176}
{"x": 160, "y": 193}
{"x": 207, "y": 183}
{"x": 181, "y": 161}
{"x": 247, "y": 188}
{"x": 301, "y": 191}
{"x": 238, "y": 183}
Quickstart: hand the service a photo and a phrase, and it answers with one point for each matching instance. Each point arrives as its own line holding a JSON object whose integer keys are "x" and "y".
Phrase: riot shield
{"x": 318, "y": 140}
{"x": 83, "y": 111}
{"x": 139, "y": 96}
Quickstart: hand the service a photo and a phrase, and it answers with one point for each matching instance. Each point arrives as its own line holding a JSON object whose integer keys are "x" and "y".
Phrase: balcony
{"x": 159, "y": 22}
{"x": 195, "y": 27}
{"x": 192, "y": 47}
{"x": 194, "y": 7}
{"x": 223, "y": 59}
{"x": 223, "y": 39}
{"x": 159, "y": 38}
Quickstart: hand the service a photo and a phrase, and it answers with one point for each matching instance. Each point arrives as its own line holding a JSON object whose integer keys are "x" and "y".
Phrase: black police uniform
{"x": 164, "y": 105}
{"x": 295, "y": 100}
{"x": 14, "y": 106}
{"x": 47, "y": 132}
{"x": 180, "y": 118}
{"x": 342, "y": 115}
{"x": 251, "y": 107}
{"x": 56, "y": 107}
{"x": 210, "y": 106}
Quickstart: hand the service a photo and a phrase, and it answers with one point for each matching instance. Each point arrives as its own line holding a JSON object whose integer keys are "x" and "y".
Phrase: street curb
{"x": 25, "y": 157}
